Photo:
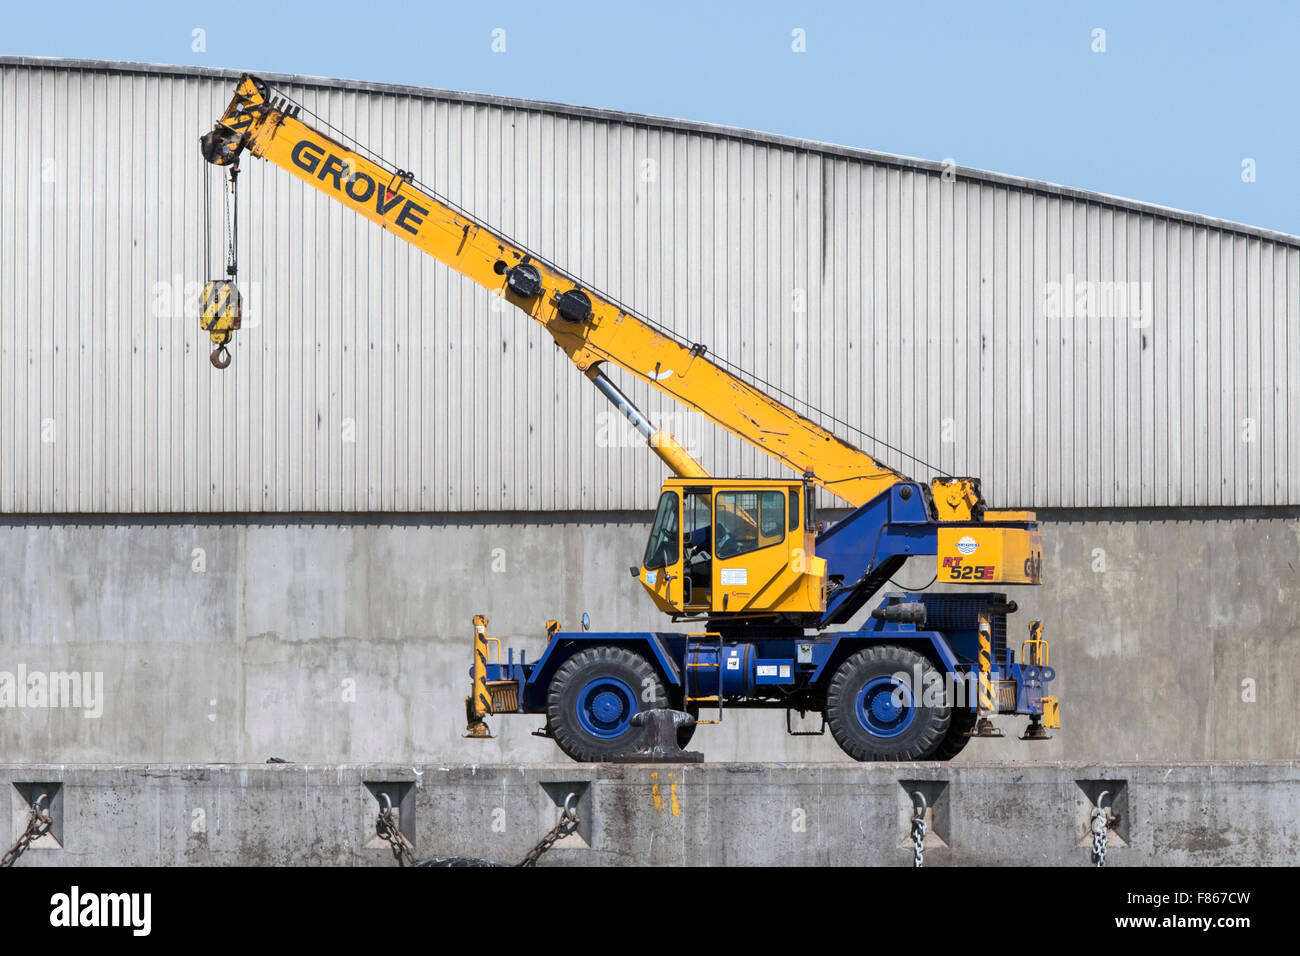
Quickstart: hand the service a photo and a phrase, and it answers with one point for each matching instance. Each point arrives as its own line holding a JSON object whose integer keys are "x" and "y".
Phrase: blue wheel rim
{"x": 606, "y": 706}
{"x": 884, "y": 707}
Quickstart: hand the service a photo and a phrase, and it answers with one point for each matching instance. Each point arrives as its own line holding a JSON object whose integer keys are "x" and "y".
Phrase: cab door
{"x": 697, "y": 558}
{"x": 661, "y": 568}
{"x": 749, "y": 546}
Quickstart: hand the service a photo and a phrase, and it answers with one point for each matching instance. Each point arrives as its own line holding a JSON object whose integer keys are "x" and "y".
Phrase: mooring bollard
{"x": 661, "y": 744}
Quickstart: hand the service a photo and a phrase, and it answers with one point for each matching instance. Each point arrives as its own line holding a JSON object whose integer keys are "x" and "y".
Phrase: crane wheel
{"x": 958, "y": 734}
{"x": 872, "y": 712}
{"x": 592, "y": 698}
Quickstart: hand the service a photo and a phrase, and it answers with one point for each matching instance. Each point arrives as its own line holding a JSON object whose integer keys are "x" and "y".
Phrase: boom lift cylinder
{"x": 661, "y": 443}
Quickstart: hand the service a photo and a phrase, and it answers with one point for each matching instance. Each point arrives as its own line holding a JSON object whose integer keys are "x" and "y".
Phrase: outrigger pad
{"x": 661, "y": 738}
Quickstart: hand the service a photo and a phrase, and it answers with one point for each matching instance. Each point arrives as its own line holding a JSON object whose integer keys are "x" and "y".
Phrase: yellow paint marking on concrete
{"x": 672, "y": 793}
{"x": 654, "y": 792}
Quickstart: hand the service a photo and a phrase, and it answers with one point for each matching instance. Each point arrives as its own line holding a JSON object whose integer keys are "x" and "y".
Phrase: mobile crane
{"x": 744, "y": 560}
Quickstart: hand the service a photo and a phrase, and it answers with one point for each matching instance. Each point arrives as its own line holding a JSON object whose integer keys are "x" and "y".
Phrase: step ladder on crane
{"x": 693, "y": 662}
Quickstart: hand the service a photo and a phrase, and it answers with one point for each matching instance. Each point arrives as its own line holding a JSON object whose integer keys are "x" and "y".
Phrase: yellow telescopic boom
{"x": 591, "y": 329}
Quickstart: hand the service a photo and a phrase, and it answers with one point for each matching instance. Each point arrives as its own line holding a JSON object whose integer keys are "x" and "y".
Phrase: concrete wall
{"x": 236, "y": 640}
{"x": 715, "y": 815}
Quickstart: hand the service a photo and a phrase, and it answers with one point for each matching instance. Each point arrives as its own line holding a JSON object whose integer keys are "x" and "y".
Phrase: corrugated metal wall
{"x": 915, "y": 304}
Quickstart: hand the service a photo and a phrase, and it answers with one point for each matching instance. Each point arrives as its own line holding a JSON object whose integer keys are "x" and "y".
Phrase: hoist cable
{"x": 207, "y": 220}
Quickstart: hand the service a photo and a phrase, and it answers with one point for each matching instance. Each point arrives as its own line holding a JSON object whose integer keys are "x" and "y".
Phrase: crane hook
{"x": 220, "y": 357}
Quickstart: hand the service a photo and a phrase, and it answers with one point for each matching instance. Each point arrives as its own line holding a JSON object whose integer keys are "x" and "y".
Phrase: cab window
{"x": 661, "y": 550}
{"x": 747, "y": 521}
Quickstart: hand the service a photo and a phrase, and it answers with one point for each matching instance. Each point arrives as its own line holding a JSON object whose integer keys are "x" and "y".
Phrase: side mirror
{"x": 634, "y": 571}
{"x": 586, "y": 622}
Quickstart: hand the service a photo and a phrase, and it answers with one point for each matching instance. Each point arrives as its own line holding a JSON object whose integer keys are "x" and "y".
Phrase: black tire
{"x": 914, "y": 733}
{"x": 593, "y": 696}
{"x": 957, "y": 736}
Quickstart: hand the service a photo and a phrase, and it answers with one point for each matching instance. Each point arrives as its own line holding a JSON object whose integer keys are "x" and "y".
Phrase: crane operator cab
{"x": 734, "y": 547}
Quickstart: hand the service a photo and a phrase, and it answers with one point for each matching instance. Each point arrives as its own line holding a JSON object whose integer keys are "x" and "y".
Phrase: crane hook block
{"x": 573, "y": 306}
{"x": 220, "y": 316}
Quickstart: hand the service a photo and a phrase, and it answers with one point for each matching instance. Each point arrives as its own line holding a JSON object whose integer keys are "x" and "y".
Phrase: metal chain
{"x": 1100, "y": 827}
{"x": 918, "y": 832}
{"x": 225, "y": 230}
{"x": 38, "y": 824}
{"x": 232, "y": 266}
{"x": 568, "y": 823}
{"x": 918, "y": 839}
{"x": 387, "y": 828}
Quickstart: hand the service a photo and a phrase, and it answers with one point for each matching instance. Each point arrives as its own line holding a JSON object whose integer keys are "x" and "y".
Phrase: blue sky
{"x": 1183, "y": 94}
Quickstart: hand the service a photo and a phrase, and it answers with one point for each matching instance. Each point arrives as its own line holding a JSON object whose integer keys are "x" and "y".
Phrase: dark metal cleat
{"x": 661, "y": 738}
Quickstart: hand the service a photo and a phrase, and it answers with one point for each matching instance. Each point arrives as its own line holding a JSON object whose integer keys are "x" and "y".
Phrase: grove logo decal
{"x": 314, "y": 160}
{"x": 967, "y": 545}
